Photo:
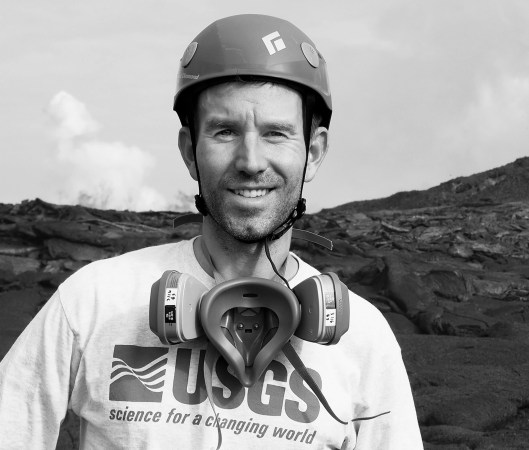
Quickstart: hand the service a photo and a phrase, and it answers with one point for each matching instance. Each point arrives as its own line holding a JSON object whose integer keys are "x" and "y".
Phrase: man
{"x": 255, "y": 106}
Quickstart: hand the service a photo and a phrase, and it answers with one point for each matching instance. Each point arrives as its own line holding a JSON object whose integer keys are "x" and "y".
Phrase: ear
{"x": 317, "y": 151}
{"x": 186, "y": 150}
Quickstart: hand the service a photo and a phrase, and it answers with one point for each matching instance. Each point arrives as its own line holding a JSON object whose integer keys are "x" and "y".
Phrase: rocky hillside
{"x": 451, "y": 275}
{"x": 508, "y": 183}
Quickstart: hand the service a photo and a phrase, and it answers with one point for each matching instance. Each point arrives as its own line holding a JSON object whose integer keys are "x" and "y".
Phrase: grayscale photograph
{"x": 264, "y": 225}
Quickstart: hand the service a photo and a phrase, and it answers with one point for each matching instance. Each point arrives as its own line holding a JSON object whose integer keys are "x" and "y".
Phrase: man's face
{"x": 250, "y": 154}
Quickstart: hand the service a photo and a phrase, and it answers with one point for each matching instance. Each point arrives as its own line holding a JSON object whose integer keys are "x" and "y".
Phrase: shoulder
{"x": 367, "y": 320}
{"x": 97, "y": 297}
{"x": 125, "y": 277}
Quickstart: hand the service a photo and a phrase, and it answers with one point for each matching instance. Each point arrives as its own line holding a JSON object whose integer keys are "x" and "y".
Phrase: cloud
{"x": 493, "y": 129}
{"x": 359, "y": 33}
{"x": 100, "y": 174}
{"x": 501, "y": 111}
{"x": 71, "y": 117}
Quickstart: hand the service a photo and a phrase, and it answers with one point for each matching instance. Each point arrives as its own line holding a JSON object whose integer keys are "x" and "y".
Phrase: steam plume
{"x": 99, "y": 174}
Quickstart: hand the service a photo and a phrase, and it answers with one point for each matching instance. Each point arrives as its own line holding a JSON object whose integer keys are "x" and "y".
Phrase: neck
{"x": 226, "y": 258}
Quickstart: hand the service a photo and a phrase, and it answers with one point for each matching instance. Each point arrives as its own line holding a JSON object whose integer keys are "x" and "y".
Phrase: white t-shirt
{"x": 90, "y": 349}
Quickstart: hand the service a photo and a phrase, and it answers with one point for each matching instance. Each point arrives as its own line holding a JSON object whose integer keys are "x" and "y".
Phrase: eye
{"x": 225, "y": 134}
{"x": 273, "y": 134}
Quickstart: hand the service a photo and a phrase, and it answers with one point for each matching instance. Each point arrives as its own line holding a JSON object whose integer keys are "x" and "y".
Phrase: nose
{"x": 250, "y": 157}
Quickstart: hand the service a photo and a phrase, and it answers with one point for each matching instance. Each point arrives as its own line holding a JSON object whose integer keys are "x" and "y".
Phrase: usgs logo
{"x": 139, "y": 374}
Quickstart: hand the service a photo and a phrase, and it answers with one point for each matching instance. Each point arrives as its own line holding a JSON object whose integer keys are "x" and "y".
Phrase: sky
{"x": 423, "y": 91}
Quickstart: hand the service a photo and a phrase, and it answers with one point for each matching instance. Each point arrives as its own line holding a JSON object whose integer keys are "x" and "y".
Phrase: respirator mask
{"x": 249, "y": 320}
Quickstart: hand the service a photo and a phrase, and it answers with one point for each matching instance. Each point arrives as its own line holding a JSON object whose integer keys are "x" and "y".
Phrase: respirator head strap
{"x": 297, "y": 363}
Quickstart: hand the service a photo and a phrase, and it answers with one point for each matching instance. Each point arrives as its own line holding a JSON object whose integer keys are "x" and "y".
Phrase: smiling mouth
{"x": 251, "y": 193}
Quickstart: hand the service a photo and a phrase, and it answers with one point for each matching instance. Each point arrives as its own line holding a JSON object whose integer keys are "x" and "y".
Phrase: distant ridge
{"x": 509, "y": 183}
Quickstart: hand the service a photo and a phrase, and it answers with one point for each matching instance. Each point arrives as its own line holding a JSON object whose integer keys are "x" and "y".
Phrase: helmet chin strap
{"x": 200, "y": 203}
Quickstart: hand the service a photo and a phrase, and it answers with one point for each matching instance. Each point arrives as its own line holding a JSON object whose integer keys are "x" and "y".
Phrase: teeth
{"x": 251, "y": 193}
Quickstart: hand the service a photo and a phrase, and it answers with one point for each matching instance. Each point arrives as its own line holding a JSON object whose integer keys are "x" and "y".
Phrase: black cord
{"x": 267, "y": 251}
{"x": 370, "y": 418}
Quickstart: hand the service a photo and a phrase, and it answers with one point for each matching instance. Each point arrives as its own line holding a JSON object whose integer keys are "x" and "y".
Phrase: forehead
{"x": 240, "y": 98}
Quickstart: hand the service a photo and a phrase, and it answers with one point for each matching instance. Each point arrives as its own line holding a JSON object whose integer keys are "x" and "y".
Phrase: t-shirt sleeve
{"x": 398, "y": 429}
{"x": 35, "y": 381}
{"x": 387, "y": 389}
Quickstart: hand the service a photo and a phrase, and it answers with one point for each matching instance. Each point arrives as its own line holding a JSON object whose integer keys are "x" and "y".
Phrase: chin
{"x": 248, "y": 233}
{"x": 249, "y": 226}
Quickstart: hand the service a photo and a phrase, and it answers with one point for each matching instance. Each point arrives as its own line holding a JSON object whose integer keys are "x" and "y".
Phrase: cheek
{"x": 292, "y": 167}
{"x": 211, "y": 164}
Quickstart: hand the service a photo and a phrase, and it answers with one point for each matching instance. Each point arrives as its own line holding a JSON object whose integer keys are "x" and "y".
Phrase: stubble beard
{"x": 247, "y": 226}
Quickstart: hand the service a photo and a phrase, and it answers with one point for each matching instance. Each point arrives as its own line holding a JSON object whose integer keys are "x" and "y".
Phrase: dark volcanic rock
{"x": 72, "y": 231}
{"x": 468, "y": 390}
{"x": 18, "y": 308}
{"x": 405, "y": 285}
{"x": 18, "y": 264}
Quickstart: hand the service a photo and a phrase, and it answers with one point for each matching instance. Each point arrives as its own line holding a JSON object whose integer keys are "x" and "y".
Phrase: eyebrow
{"x": 285, "y": 127}
{"x": 215, "y": 123}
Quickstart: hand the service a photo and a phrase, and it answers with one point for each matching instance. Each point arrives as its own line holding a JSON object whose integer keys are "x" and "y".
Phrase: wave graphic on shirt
{"x": 151, "y": 375}
{"x": 138, "y": 373}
